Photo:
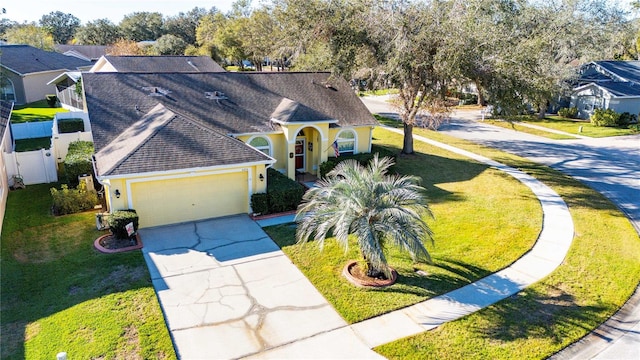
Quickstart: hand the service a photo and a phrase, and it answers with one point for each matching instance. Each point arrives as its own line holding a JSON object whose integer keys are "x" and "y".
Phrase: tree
{"x": 170, "y": 45}
{"x": 376, "y": 208}
{"x": 142, "y": 26}
{"x": 205, "y": 36}
{"x": 125, "y": 47}
{"x": 30, "y": 34}
{"x": 98, "y": 32}
{"x": 184, "y": 25}
{"x": 60, "y": 25}
{"x": 6, "y": 24}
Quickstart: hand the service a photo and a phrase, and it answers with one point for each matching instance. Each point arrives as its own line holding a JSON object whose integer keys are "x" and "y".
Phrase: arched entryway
{"x": 307, "y": 156}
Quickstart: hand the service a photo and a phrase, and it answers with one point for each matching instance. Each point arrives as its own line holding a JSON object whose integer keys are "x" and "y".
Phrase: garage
{"x": 162, "y": 201}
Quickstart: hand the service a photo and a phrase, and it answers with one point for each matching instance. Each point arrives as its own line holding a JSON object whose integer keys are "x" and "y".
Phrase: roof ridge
{"x": 134, "y": 137}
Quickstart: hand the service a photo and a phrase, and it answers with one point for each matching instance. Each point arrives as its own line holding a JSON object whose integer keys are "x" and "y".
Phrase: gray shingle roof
{"x": 92, "y": 52}
{"x": 246, "y": 102}
{"x": 25, "y": 59}
{"x": 159, "y": 64}
{"x": 163, "y": 141}
{"x": 621, "y": 88}
{"x": 628, "y": 70}
{"x": 5, "y": 113}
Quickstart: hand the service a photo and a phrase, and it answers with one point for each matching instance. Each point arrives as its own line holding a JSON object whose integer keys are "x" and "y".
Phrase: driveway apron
{"x": 227, "y": 291}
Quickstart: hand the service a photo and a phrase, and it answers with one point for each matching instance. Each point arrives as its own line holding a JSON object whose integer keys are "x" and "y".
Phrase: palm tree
{"x": 377, "y": 208}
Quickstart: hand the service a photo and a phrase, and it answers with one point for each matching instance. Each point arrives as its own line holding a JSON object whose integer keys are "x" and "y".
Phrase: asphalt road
{"x": 611, "y": 166}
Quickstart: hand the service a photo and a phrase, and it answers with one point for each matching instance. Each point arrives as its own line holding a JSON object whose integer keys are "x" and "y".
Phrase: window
{"x": 346, "y": 142}
{"x": 7, "y": 91}
{"x": 261, "y": 143}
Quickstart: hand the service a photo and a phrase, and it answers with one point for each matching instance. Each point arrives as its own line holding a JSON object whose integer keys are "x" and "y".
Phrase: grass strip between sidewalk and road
{"x": 600, "y": 272}
{"x": 59, "y": 294}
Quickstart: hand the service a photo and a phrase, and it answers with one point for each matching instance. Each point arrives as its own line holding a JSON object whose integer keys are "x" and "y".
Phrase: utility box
{"x": 88, "y": 180}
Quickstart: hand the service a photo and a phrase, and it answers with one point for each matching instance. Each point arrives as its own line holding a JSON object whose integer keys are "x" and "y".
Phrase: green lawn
{"x": 59, "y": 294}
{"x": 600, "y": 272}
{"x": 570, "y": 126}
{"x": 35, "y": 111}
{"x": 33, "y": 144}
{"x": 484, "y": 220}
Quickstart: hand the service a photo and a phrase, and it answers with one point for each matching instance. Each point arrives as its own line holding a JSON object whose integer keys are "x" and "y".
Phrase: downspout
{"x": 95, "y": 171}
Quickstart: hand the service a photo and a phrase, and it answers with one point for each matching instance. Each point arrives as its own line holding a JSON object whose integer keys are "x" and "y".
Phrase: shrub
{"x": 283, "y": 194}
{"x": 66, "y": 126}
{"x": 571, "y": 112}
{"x": 260, "y": 203}
{"x": 626, "y": 119}
{"x": 363, "y": 159}
{"x": 119, "y": 220}
{"x": 51, "y": 100}
{"x": 69, "y": 201}
{"x": 602, "y": 117}
{"x": 78, "y": 160}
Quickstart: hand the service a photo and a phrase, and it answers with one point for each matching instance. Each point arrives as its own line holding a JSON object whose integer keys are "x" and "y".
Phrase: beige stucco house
{"x": 186, "y": 146}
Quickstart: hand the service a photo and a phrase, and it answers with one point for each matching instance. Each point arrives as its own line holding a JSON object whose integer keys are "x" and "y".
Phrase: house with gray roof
{"x": 84, "y": 52}
{"x": 186, "y": 146}
{"x": 25, "y": 72}
{"x": 156, "y": 64}
{"x": 607, "y": 85}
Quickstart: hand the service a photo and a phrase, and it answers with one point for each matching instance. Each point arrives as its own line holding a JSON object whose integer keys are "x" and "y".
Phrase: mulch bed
{"x": 110, "y": 244}
{"x": 358, "y": 277}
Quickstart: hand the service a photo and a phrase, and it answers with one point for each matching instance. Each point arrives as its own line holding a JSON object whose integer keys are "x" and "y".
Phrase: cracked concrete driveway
{"x": 227, "y": 291}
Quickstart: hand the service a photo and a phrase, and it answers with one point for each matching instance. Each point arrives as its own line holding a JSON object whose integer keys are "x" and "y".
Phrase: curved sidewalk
{"x": 544, "y": 257}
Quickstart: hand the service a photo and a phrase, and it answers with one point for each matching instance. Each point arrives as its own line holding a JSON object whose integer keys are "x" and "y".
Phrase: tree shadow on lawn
{"x": 550, "y": 314}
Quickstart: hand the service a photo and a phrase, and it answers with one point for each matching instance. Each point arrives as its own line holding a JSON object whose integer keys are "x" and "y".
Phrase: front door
{"x": 300, "y": 152}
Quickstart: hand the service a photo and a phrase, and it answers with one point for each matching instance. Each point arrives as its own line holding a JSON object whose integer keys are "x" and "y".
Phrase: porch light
{"x": 117, "y": 193}
{"x": 261, "y": 177}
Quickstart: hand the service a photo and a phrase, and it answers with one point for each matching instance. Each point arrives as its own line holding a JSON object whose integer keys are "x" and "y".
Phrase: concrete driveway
{"x": 227, "y": 291}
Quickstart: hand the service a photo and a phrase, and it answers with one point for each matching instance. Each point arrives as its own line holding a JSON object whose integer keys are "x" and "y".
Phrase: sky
{"x": 114, "y": 10}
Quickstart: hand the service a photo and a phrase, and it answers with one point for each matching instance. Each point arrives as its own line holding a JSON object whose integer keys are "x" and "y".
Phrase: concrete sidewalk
{"x": 227, "y": 291}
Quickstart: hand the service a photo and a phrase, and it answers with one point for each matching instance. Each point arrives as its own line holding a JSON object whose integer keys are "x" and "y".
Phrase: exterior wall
{"x": 588, "y": 99}
{"x": 630, "y": 105}
{"x": 363, "y": 138}
{"x": 103, "y": 66}
{"x": 36, "y": 87}
{"x": 187, "y": 196}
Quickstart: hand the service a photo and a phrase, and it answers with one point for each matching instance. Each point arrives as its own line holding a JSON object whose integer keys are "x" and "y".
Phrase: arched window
{"x": 346, "y": 142}
{"x": 261, "y": 143}
{"x": 7, "y": 92}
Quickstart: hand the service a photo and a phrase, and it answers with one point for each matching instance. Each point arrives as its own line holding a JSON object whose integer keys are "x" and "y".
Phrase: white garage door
{"x": 162, "y": 202}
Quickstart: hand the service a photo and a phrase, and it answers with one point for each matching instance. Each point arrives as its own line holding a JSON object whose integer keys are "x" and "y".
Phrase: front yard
{"x": 59, "y": 294}
{"x": 569, "y": 126}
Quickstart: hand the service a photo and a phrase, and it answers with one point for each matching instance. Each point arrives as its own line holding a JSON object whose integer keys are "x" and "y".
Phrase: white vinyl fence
{"x": 35, "y": 167}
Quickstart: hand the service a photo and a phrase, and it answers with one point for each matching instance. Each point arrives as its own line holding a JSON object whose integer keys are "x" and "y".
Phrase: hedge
{"x": 283, "y": 194}
{"x": 119, "y": 220}
{"x": 66, "y": 126}
{"x": 78, "y": 160}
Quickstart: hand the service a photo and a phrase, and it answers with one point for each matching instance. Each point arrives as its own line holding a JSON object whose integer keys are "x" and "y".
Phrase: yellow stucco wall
{"x": 180, "y": 197}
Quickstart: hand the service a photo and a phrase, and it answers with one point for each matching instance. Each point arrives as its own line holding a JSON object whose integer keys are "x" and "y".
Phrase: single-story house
{"x": 155, "y": 64}
{"x": 185, "y": 146}
{"x": 607, "y": 85}
{"x": 6, "y": 146}
{"x": 25, "y": 72}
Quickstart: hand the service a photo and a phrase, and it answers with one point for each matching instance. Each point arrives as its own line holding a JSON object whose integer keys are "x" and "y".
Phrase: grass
{"x": 60, "y": 294}
{"x": 570, "y": 126}
{"x": 598, "y": 275}
{"x": 477, "y": 232}
{"x": 33, "y": 144}
{"x": 35, "y": 111}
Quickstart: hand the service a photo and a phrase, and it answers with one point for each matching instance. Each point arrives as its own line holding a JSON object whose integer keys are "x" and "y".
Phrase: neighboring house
{"x": 178, "y": 147}
{"x": 84, "y": 52}
{"x": 156, "y": 64}
{"x": 26, "y": 71}
{"x": 6, "y": 146}
{"x": 608, "y": 85}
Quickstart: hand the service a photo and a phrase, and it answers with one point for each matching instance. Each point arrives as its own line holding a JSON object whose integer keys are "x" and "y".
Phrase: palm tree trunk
{"x": 407, "y": 145}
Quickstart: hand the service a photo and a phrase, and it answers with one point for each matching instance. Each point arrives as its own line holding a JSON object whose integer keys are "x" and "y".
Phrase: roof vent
{"x": 215, "y": 95}
{"x": 156, "y": 91}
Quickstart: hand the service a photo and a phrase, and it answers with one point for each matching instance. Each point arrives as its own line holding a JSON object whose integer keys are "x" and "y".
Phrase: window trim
{"x": 354, "y": 140}
{"x": 268, "y": 147}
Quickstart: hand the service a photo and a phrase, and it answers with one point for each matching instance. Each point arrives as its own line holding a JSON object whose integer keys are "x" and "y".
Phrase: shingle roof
{"x": 159, "y": 64}
{"x": 627, "y": 70}
{"x": 163, "y": 141}
{"x": 5, "y": 113}
{"x": 230, "y": 103}
{"x": 621, "y": 88}
{"x": 92, "y": 52}
{"x": 25, "y": 59}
